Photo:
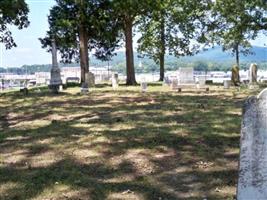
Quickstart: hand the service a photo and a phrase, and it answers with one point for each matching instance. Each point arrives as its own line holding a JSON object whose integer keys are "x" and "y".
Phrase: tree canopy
{"x": 171, "y": 27}
{"x": 82, "y": 26}
{"x": 12, "y": 12}
{"x": 236, "y": 23}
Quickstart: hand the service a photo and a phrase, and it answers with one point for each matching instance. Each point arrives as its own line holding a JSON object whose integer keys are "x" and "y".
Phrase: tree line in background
{"x": 148, "y": 66}
{"x": 166, "y": 27}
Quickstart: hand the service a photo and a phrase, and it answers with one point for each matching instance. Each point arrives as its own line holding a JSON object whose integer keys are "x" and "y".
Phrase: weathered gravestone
{"x": 235, "y": 75}
{"x": 55, "y": 80}
{"x": 253, "y": 73}
{"x": 253, "y": 77}
{"x": 187, "y": 80}
{"x": 226, "y": 84}
{"x": 143, "y": 85}
{"x": 91, "y": 79}
{"x": 186, "y": 76}
{"x": 115, "y": 81}
{"x": 252, "y": 181}
{"x": 201, "y": 82}
{"x": 174, "y": 84}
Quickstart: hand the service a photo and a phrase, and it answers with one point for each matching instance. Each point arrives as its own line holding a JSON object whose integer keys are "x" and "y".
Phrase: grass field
{"x": 120, "y": 144}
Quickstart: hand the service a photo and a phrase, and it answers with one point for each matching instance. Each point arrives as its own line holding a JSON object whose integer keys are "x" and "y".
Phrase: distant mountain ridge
{"x": 259, "y": 54}
{"x": 216, "y": 54}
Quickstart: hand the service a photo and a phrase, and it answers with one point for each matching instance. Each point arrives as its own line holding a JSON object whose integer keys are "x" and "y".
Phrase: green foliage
{"x": 235, "y": 23}
{"x": 12, "y": 12}
{"x": 66, "y": 19}
{"x": 171, "y": 26}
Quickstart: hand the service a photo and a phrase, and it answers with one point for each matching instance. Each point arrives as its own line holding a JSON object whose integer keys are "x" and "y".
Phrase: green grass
{"x": 120, "y": 144}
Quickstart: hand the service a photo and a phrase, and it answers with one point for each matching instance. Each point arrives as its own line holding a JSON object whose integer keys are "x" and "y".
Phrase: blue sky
{"x": 29, "y": 49}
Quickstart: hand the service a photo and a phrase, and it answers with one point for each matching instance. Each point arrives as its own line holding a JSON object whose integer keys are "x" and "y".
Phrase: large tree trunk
{"x": 161, "y": 63}
{"x": 237, "y": 54}
{"x": 84, "y": 59}
{"x": 235, "y": 69}
{"x": 162, "y": 49}
{"x": 130, "y": 80}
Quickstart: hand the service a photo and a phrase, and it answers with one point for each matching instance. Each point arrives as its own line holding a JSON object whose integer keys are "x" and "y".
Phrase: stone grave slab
{"x": 252, "y": 180}
{"x": 115, "y": 81}
{"x": 186, "y": 76}
{"x": 91, "y": 79}
{"x": 143, "y": 86}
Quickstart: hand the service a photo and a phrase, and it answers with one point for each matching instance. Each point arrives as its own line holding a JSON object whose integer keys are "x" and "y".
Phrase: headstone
{"x": 174, "y": 84}
{"x": 2, "y": 84}
{"x": 115, "y": 81}
{"x": 201, "y": 82}
{"x": 61, "y": 88}
{"x": 55, "y": 80}
{"x": 186, "y": 76}
{"x": 235, "y": 75}
{"x": 91, "y": 79}
{"x": 143, "y": 86}
{"x": 253, "y": 73}
{"x": 252, "y": 181}
{"x": 167, "y": 81}
{"x": 226, "y": 84}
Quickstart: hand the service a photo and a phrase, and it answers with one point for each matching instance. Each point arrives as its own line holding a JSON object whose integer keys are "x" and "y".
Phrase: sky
{"x": 29, "y": 51}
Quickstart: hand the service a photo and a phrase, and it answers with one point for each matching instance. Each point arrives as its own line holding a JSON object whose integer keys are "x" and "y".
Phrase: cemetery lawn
{"x": 120, "y": 144}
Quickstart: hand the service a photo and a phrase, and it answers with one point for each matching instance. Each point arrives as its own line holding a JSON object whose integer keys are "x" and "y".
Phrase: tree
{"x": 170, "y": 27}
{"x": 237, "y": 23}
{"x": 80, "y": 26}
{"x": 127, "y": 12}
{"x": 12, "y": 12}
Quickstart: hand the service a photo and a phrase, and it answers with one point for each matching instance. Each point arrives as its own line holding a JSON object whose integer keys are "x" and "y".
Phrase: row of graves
{"x": 252, "y": 176}
{"x": 186, "y": 79}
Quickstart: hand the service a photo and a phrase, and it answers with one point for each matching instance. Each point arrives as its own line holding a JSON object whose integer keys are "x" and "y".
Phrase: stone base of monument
{"x": 143, "y": 86}
{"x": 61, "y": 88}
{"x": 252, "y": 180}
{"x": 226, "y": 84}
{"x": 24, "y": 90}
{"x": 84, "y": 88}
{"x": 253, "y": 86}
{"x": 54, "y": 88}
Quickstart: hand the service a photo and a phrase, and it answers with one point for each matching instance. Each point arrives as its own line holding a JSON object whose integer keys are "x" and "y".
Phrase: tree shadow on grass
{"x": 168, "y": 150}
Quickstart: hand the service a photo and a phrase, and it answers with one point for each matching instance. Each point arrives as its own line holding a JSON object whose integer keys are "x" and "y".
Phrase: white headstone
{"x": 201, "y": 81}
{"x": 226, "y": 84}
{"x": 253, "y": 73}
{"x": 55, "y": 80}
{"x": 252, "y": 181}
{"x": 174, "y": 84}
{"x": 115, "y": 81}
{"x": 186, "y": 76}
{"x": 143, "y": 86}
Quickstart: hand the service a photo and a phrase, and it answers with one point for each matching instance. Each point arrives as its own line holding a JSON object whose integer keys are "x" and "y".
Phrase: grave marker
{"x": 186, "y": 76}
{"x": 91, "y": 79}
{"x": 55, "y": 80}
{"x": 252, "y": 181}
{"x": 143, "y": 86}
{"x": 115, "y": 81}
{"x": 253, "y": 73}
